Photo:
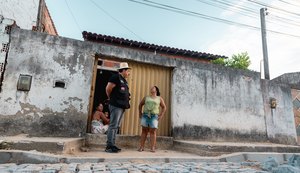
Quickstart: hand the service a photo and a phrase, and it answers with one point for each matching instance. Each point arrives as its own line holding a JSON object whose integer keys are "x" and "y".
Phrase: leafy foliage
{"x": 239, "y": 61}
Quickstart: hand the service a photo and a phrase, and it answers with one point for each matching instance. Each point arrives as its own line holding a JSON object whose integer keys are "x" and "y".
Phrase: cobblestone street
{"x": 134, "y": 167}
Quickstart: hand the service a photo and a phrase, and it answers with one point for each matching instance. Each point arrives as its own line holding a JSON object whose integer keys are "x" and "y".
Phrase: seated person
{"x": 100, "y": 121}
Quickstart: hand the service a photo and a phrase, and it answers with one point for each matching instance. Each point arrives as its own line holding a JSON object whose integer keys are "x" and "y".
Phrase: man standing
{"x": 118, "y": 94}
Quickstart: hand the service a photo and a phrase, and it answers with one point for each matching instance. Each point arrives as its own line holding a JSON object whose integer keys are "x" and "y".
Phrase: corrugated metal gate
{"x": 142, "y": 78}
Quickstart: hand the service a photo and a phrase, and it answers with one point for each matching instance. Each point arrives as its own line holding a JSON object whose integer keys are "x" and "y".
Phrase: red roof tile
{"x": 88, "y": 36}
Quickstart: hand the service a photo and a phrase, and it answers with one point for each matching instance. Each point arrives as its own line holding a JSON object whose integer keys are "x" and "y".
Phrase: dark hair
{"x": 157, "y": 91}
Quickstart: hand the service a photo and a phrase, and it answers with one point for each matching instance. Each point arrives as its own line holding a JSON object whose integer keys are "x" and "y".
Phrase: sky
{"x": 220, "y": 27}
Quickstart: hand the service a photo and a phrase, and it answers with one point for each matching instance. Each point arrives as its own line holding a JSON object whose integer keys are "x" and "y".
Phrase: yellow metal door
{"x": 142, "y": 78}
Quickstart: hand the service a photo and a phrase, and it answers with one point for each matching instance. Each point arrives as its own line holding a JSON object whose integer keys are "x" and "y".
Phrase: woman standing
{"x": 150, "y": 116}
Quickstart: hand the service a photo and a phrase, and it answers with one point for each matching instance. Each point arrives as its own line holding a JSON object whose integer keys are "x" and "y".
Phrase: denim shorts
{"x": 151, "y": 122}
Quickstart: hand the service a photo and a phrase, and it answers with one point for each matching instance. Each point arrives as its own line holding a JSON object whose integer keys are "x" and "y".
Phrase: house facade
{"x": 51, "y": 85}
{"x": 29, "y": 14}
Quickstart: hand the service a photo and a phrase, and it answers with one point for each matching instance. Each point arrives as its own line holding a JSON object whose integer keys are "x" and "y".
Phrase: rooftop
{"x": 88, "y": 36}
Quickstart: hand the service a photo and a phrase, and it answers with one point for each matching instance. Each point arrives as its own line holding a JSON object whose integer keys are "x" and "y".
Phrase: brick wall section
{"x": 296, "y": 103}
{"x": 47, "y": 22}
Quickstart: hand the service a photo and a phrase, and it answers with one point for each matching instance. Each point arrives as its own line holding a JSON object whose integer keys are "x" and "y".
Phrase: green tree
{"x": 239, "y": 61}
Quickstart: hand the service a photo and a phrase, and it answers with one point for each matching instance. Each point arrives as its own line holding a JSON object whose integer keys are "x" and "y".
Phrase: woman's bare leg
{"x": 152, "y": 139}
{"x": 144, "y": 134}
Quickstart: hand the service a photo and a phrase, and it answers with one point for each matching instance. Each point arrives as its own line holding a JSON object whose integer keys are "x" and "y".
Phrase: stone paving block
{"x": 120, "y": 171}
{"x": 98, "y": 167}
{"x": 151, "y": 171}
{"x": 12, "y": 168}
{"x": 286, "y": 169}
{"x": 53, "y": 166}
{"x": 48, "y": 171}
{"x": 80, "y": 160}
{"x": 134, "y": 171}
{"x": 209, "y": 169}
{"x": 287, "y": 156}
{"x": 84, "y": 167}
{"x": 72, "y": 167}
{"x": 32, "y": 168}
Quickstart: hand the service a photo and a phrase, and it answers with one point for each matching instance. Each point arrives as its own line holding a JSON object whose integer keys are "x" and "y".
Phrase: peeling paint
{"x": 66, "y": 109}
{"x": 24, "y": 12}
{"x": 209, "y": 100}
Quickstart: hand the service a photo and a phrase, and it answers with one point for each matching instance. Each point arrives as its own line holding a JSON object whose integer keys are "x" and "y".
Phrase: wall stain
{"x": 192, "y": 132}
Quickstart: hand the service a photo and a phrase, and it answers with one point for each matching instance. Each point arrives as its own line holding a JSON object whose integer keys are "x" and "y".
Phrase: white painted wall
{"x": 280, "y": 121}
{"x": 205, "y": 98}
{"x": 46, "y": 58}
{"x": 38, "y": 58}
{"x": 24, "y": 12}
{"x": 218, "y": 100}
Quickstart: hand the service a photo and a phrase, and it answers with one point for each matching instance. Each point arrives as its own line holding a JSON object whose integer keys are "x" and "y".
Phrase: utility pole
{"x": 264, "y": 42}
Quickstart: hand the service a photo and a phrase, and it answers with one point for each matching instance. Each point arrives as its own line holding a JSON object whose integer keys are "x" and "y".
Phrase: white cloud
{"x": 233, "y": 9}
{"x": 283, "y": 51}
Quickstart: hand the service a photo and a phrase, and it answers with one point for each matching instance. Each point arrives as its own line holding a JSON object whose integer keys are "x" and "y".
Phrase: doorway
{"x": 100, "y": 92}
{"x": 142, "y": 77}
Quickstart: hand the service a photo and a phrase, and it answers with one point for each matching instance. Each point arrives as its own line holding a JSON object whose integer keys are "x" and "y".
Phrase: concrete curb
{"x": 34, "y": 157}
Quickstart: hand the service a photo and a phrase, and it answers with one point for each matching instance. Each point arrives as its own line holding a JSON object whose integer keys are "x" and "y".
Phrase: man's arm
{"x": 109, "y": 88}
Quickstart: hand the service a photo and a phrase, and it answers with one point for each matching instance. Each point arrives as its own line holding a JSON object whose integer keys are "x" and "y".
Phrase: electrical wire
{"x": 228, "y": 7}
{"x": 246, "y": 11}
{"x": 78, "y": 27}
{"x": 273, "y": 7}
{"x": 289, "y": 3}
{"x": 116, "y": 20}
{"x": 199, "y": 15}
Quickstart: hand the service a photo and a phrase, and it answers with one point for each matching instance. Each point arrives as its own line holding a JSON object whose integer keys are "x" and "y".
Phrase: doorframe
{"x": 96, "y": 66}
{"x": 92, "y": 91}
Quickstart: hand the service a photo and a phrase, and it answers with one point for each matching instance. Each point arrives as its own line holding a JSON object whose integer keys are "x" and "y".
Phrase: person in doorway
{"x": 150, "y": 116}
{"x": 100, "y": 121}
{"x": 117, "y": 91}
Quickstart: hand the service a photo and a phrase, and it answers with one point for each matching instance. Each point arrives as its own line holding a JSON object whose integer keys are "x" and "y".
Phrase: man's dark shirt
{"x": 119, "y": 95}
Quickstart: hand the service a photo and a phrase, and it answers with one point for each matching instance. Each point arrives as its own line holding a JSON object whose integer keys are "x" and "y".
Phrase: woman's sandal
{"x": 141, "y": 149}
{"x": 152, "y": 150}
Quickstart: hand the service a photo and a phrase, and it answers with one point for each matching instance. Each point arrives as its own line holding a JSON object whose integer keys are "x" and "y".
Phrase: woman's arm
{"x": 142, "y": 102}
{"x": 104, "y": 118}
{"x": 96, "y": 115}
{"x": 163, "y": 108}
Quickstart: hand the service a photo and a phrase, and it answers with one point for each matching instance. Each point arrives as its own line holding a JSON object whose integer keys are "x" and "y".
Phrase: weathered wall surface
{"x": 217, "y": 103}
{"x": 222, "y": 104}
{"x": 24, "y": 12}
{"x": 45, "y": 110}
{"x": 292, "y": 79}
{"x": 280, "y": 121}
{"x": 208, "y": 102}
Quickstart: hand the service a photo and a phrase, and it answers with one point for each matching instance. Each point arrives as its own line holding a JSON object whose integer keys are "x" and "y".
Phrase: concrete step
{"x": 58, "y": 145}
{"x": 54, "y": 145}
{"x": 205, "y": 148}
{"x": 127, "y": 141}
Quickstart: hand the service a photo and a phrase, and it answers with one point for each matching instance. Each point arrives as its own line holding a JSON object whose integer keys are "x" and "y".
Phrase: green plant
{"x": 239, "y": 61}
